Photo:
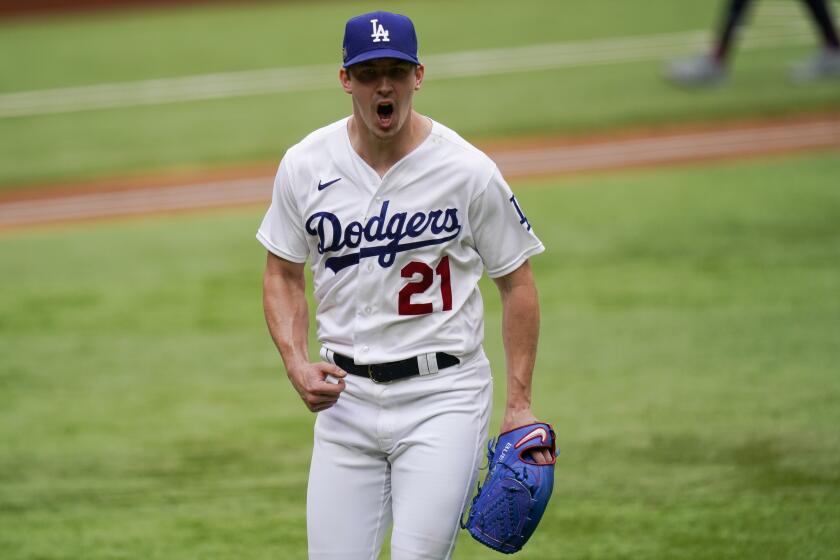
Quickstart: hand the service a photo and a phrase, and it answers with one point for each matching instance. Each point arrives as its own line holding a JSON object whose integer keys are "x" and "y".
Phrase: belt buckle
{"x": 372, "y": 376}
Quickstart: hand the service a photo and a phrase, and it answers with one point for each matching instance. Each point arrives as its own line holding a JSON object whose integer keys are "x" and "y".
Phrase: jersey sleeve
{"x": 503, "y": 236}
{"x": 281, "y": 231}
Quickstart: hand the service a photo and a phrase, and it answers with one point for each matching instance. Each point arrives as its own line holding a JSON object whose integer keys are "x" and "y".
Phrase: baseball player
{"x": 711, "y": 68}
{"x": 398, "y": 217}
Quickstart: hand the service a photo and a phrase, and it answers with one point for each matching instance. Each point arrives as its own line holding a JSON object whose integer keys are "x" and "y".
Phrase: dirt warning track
{"x": 515, "y": 158}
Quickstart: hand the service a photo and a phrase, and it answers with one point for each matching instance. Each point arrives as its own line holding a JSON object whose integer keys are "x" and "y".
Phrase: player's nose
{"x": 385, "y": 85}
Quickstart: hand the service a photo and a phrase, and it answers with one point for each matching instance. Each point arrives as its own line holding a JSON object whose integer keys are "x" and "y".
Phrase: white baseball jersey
{"x": 396, "y": 259}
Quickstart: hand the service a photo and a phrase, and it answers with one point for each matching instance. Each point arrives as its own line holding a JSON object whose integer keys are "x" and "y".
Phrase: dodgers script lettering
{"x": 395, "y": 228}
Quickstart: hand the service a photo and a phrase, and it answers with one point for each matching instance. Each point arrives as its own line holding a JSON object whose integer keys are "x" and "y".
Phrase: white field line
{"x": 603, "y": 155}
{"x": 322, "y": 76}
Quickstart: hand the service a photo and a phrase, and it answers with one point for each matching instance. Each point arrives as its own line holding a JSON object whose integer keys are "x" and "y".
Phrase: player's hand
{"x": 319, "y": 385}
{"x": 515, "y": 418}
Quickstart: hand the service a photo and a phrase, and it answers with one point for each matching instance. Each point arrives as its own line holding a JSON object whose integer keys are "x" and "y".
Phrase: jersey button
{"x": 365, "y": 348}
{"x": 368, "y": 310}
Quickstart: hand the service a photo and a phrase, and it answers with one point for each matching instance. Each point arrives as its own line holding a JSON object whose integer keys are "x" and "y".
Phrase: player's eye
{"x": 366, "y": 75}
{"x": 398, "y": 72}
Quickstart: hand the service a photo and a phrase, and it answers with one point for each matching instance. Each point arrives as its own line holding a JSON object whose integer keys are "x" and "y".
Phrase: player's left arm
{"x": 520, "y": 333}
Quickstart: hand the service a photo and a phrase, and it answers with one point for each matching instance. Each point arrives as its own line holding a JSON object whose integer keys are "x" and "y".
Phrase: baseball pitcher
{"x": 397, "y": 217}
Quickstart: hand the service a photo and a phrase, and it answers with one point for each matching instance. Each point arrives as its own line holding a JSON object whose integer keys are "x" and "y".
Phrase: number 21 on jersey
{"x": 427, "y": 275}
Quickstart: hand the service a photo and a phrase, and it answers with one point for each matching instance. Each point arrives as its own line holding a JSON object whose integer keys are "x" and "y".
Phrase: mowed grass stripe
{"x": 453, "y": 65}
{"x": 688, "y": 362}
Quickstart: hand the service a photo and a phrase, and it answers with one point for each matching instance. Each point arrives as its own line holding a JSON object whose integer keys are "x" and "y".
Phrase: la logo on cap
{"x": 379, "y": 32}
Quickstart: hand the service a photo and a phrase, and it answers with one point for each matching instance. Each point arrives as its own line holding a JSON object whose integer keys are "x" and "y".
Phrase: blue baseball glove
{"x": 511, "y": 502}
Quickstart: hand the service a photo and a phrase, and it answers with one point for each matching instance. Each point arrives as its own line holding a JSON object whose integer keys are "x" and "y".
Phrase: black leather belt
{"x": 391, "y": 371}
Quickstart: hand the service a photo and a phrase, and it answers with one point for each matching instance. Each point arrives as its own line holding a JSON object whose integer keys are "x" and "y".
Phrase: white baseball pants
{"x": 404, "y": 453}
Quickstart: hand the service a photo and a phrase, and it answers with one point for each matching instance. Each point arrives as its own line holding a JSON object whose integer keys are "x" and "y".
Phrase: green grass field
{"x": 690, "y": 315}
{"x": 127, "y": 46}
{"x": 688, "y": 360}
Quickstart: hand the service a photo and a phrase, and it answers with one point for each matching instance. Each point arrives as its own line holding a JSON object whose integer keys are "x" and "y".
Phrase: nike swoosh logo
{"x": 536, "y": 432}
{"x": 322, "y": 186}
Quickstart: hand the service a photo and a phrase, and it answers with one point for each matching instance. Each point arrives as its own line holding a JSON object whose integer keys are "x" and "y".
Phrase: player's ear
{"x": 419, "y": 72}
{"x": 344, "y": 78}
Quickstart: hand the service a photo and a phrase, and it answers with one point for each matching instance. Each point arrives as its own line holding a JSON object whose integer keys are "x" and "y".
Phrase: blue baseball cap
{"x": 379, "y": 35}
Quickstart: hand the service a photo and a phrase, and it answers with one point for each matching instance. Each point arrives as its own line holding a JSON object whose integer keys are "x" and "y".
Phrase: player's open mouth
{"x": 384, "y": 111}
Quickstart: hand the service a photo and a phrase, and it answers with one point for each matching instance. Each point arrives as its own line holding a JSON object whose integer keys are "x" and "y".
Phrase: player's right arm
{"x": 287, "y": 315}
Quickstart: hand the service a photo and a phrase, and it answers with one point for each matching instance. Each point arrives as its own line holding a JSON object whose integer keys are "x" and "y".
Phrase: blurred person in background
{"x": 711, "y": 68}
